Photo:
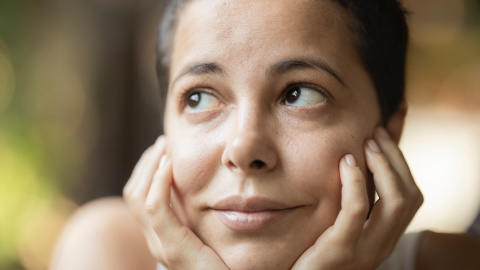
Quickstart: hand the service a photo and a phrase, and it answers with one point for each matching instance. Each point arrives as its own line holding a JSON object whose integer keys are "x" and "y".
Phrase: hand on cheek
{"x": 354, "y": 242}
{"x": 147, "y": 194}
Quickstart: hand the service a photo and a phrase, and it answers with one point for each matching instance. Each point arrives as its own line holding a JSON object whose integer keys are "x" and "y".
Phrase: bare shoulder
{"x": 102, "y": 234}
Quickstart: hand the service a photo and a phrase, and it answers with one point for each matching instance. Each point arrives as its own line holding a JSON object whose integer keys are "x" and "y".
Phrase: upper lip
{"x": 250, "y": 204}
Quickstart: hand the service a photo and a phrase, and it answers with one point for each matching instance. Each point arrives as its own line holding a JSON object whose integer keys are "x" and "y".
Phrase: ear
{"x": 395, "y": 123}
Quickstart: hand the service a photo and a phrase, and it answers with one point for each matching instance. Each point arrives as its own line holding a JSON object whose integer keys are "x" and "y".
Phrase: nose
{"x": 250, "y": 148}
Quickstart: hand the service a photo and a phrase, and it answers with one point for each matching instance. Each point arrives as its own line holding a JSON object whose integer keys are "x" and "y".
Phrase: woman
{"x": 273, "y": 148}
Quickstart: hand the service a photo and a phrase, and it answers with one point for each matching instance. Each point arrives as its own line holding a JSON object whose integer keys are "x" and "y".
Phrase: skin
{"x": 212, "y": 148}
{"x": 301, "y": 146}
{"x": 314, "y": 156}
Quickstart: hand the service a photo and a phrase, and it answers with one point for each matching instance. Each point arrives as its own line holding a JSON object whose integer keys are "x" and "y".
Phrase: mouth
{"x": 252, "y": 213}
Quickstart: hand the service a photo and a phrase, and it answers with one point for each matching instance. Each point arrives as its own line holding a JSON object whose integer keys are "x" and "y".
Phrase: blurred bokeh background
{"x": 79, "y": 103}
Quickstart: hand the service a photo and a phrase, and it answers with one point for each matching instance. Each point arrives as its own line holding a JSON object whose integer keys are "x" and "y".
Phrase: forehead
{"x": 292, "y": 15}
{"x": 209, "y": 29}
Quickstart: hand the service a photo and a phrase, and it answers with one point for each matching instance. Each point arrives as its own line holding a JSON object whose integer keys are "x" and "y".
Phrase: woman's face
{"x": 265, "y": 98}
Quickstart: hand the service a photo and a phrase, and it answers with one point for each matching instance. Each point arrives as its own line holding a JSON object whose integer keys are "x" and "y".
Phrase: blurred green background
{"x": 79, "y": 103}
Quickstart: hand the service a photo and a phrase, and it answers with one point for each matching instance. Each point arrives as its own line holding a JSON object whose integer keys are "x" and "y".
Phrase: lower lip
{"x": 250, "y": 221}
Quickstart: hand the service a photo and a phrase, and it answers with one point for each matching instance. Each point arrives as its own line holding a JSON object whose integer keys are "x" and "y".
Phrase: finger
{"x": 157, "y": 205}
{"x": 136, "y": 170}
{"x": 164, "y": 221}
{"x": 159, "y": 193}
{"x": 387, "y": 220}
{"x": 141, "y": 164}
{"x": 411, "y": 192}
{"x": 145, "y": 175}
{"x": 387, "y": 186}
{"x": 136, "y": 190}
{"x": 181, "y": 247}
{"x": 400, "y": 165}
{"x": 394, "y": 155}
{"x": 341, "y": 238}
{"x": 355, "y": 205}
{"x": 387, "y": 182}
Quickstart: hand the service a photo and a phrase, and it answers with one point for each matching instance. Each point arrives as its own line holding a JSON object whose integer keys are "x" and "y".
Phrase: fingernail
{"x": 373, "y": 146}
{"x": 350, "y": 160}
{"x": 382, "y": 132}
{"x": 163, "y": 160}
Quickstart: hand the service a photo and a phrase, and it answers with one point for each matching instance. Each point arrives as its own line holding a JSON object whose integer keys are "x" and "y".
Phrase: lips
{"x": 252, "y": 213}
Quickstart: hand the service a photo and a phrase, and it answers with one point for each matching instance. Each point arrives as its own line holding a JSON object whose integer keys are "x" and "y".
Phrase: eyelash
{"x": 294, "y": 83}
{"x": 187, "y": 92}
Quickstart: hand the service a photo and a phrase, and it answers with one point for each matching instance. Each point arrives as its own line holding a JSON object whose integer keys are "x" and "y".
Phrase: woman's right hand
{"x": 147, "y": 194}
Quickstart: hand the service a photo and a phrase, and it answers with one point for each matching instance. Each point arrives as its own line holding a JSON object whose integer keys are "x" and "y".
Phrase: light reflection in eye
{"x": 300, "y": 96}
{"x": 201, "y": 101}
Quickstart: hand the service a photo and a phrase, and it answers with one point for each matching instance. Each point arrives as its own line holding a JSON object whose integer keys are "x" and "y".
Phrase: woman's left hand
{"x": 353, "y": 242}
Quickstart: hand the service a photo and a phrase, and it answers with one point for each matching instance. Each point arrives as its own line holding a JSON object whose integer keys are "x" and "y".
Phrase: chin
{"x": 276, "y": 247}
{"x": 276, "y": 251}
{"x": 248, "y": 257}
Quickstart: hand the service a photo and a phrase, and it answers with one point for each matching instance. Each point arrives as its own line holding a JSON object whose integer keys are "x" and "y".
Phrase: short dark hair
{"x": 380, "y": 34}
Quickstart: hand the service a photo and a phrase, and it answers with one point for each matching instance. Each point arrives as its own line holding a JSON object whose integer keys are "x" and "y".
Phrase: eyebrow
{"x": 295, "y": 64}
{"x": 202, "y": 68}
{"x": 276, "y": 69}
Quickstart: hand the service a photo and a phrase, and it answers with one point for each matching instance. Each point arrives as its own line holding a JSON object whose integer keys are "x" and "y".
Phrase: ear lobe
{"x": 395, "y": 123}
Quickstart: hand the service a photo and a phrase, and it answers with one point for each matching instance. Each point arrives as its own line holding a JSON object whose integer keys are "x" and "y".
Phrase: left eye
{"x": 200, "y": 101}
{"x": 301, "y": 96}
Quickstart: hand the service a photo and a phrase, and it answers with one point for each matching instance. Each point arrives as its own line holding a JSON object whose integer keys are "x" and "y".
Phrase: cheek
{"x": 313, "y": 161}
{"x": 311, "y": 164}
{"x": 319, "y": 153}
{"x": 193, "y": 160}
{"x": 193, "y": 163}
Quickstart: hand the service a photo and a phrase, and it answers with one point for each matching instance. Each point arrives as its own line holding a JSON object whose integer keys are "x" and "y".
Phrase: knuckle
{"x": 126, "y": 192}
{"x": 358, "y": 180}
{"x": 130, "y": 199}
{"x": 147, "y": 153}
{"x": 135, "y": 197}
{"x": 420, "y": 199}
{"x": 399, "y": 205}
{"x": 151, "y": 207}
{"x": 417, "y": 198}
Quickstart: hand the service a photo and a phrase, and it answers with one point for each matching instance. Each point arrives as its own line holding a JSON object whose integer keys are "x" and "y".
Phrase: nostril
{"x": 258, "y": 164}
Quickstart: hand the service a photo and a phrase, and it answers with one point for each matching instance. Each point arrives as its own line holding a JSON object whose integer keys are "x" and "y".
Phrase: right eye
{"x": 201, "y": 101}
